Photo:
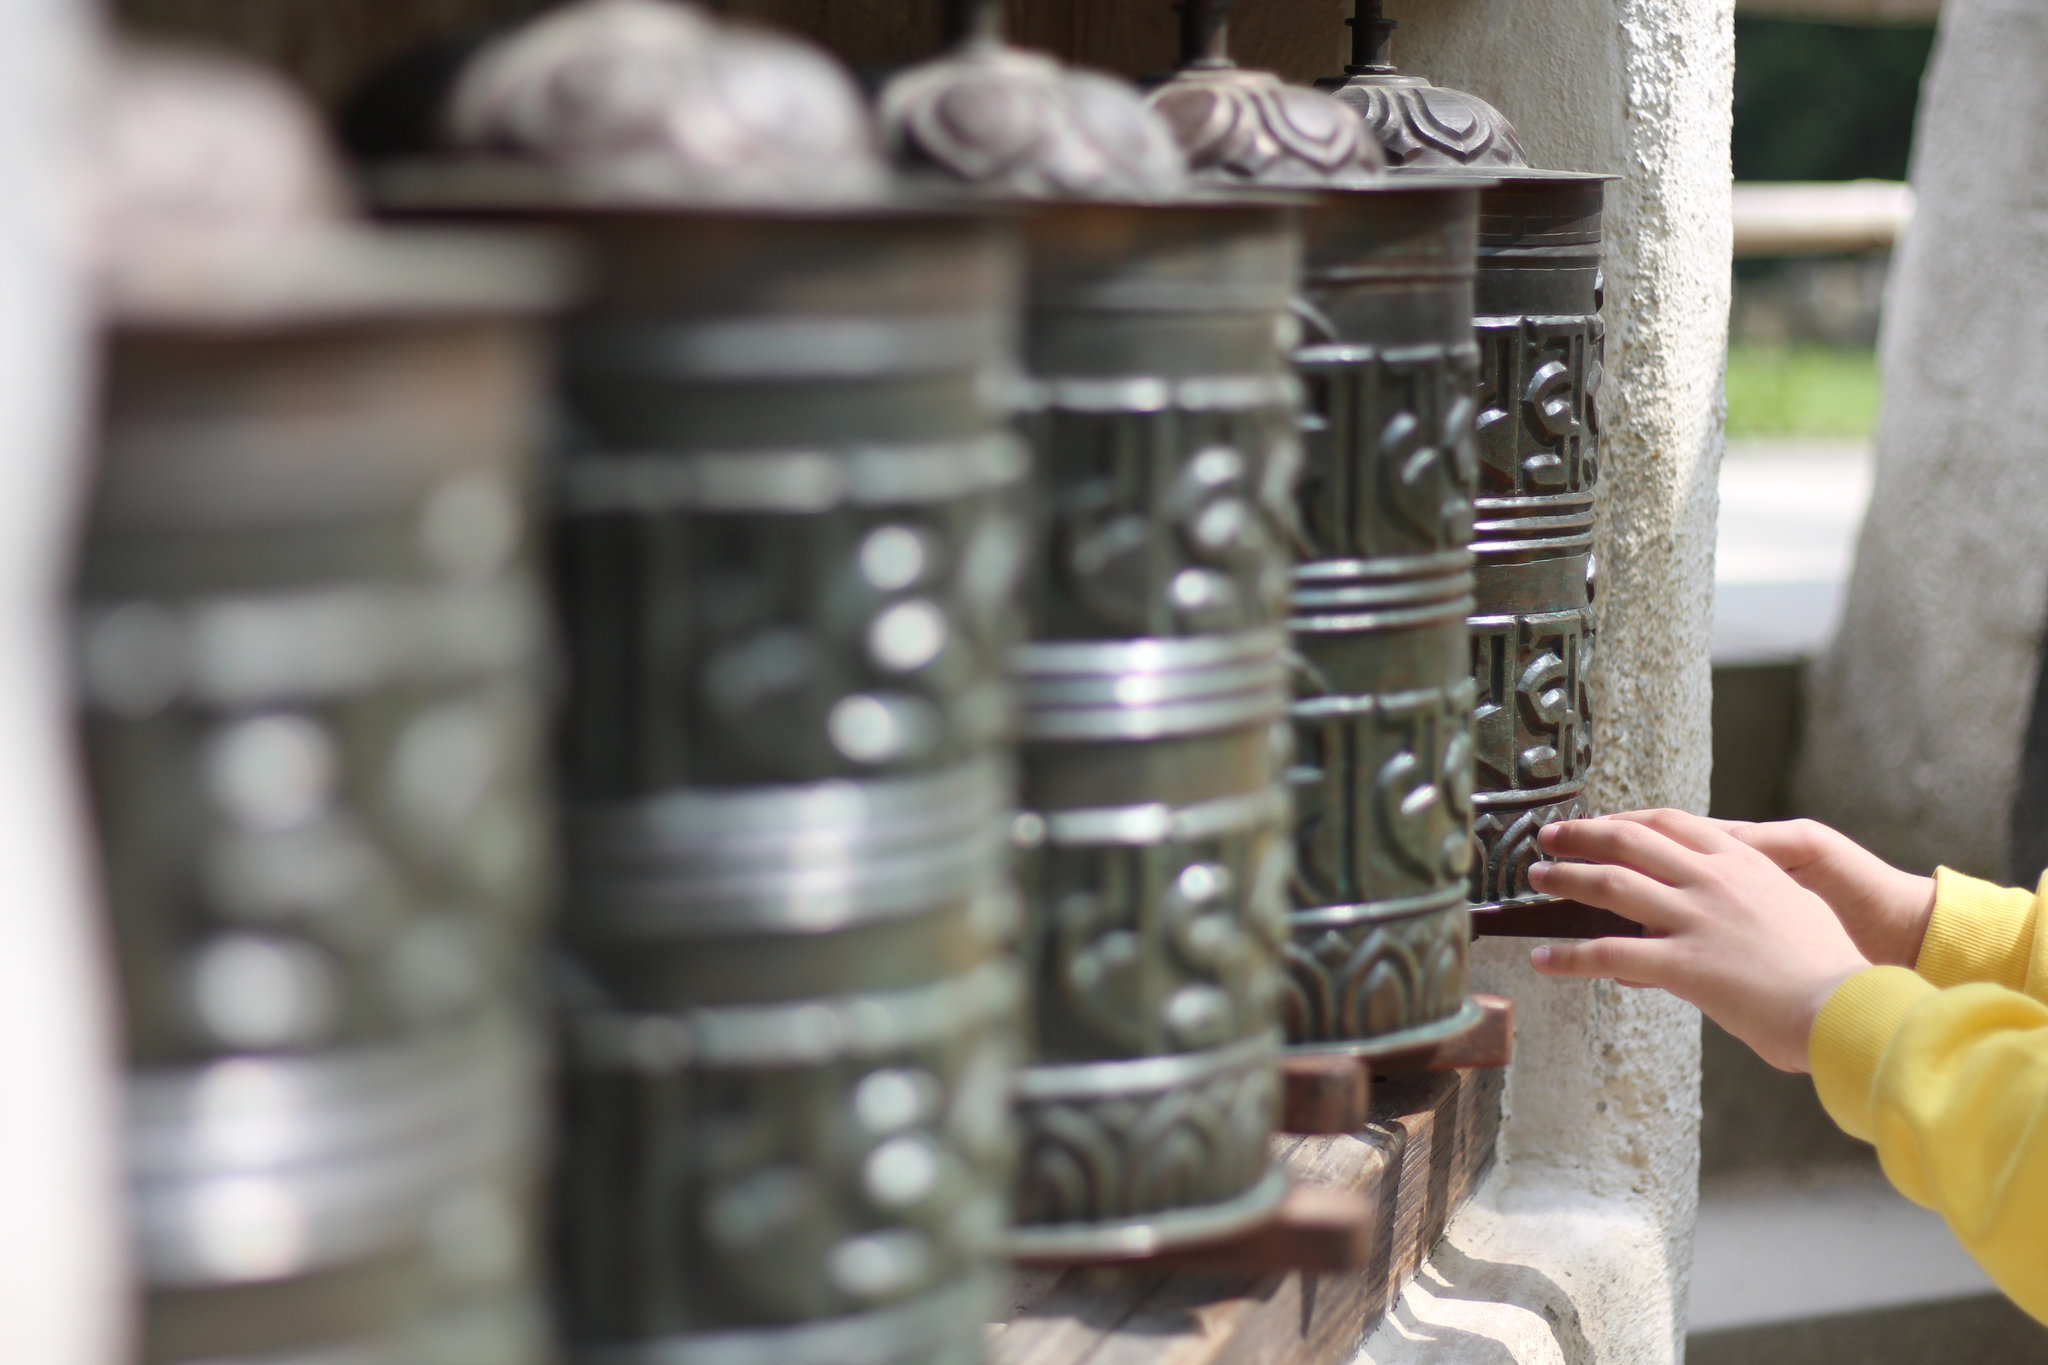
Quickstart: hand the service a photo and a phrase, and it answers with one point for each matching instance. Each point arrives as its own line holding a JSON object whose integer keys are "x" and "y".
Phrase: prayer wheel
{"x": 788, "y": 533}
{"x": 1152, "y": 844}
{"x": 1538, "y": 300}
{"x": 308, "y": 634}
{"x": 1384, "y": 693}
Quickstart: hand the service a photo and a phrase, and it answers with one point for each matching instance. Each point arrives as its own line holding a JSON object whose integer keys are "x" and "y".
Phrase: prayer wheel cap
{"x": 1420, "y": 126}
{"x": 1019, "y": 123}
{"x": 648, "y": 99}
{"x": 1250, "y": 128}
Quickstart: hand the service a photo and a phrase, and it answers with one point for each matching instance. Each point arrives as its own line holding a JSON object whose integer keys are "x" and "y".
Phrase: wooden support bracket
{"x": 1489, "y": 1042}
{"x": 1549, "y": 918}
{"x": 1315, "y": 1230}
{"x": 1331, "y": 1092}
{"x": 1325, "y": 1092}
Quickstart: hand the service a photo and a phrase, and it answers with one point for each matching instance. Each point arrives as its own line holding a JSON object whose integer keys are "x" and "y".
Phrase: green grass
{"x": 1801, "y": 391}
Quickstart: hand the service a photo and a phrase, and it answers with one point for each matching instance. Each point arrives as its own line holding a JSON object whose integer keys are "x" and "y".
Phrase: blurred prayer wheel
{"x": 309, "y": 652}
{"x": 1152, "y": 845}
{"x": 788, "y": 536}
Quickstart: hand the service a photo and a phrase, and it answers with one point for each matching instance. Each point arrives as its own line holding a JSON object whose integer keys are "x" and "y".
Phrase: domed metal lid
{"x": 1241, "y": 127}
{"x": 215, "y": 202}
{"x": 1420, "y": 126}
{"x": 655, "y": 100}
{"x": 1017, "y": 122}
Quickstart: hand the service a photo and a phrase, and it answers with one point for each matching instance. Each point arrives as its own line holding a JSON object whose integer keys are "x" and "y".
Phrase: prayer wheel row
{"x": 1044, "y": 630}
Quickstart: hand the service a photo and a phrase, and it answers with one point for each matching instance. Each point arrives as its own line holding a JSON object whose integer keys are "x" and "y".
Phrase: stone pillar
{"x": 62, "y": 1278}
{"x": 1578, "y": 1249}
{"x": 1917, "y": 712}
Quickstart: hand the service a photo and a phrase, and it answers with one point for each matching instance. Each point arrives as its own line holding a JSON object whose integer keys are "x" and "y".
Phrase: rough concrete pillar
{"x": 62, "y": 1290}
{"x": 1917, "y": 712}
{"x": 1579, "y": 1249}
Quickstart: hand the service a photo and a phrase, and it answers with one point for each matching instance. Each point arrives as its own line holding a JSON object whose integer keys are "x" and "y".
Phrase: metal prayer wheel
{"x": 1541, "y": 342}
{"x": 1153, "y": 852}
{"x": 1383, "y": 691}
{"x": 1538, "y": 299}
{"x": 788, "y": 532}
{"x": 1152, "y": 701}
{"x": 308, "y": 640}
{"x": 786, "y": 572}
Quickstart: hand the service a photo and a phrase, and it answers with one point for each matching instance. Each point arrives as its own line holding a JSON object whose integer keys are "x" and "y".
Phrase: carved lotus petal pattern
{"x": 1419, "y": 124}
{"x": 671, "y": 101}
{"x": 1014, "y": 121}
{"x": 1249, "y": 127}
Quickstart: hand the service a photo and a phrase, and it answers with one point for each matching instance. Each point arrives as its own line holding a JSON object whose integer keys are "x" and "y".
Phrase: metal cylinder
{"x": 788, "y": 541}
{"x": 1540, "y": 346}
{"x": 1152, "y": 704}
{"x": 308, "y": 639}
{"x": 1383, "y": 692}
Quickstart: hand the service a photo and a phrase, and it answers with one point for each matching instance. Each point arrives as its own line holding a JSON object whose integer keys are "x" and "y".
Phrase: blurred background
{"x": 1804, "y": 1252}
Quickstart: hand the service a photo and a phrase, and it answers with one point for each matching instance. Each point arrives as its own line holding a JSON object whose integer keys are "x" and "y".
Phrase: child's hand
{"x": 1885, "y": 910}
{"x": 1729, "y": 930}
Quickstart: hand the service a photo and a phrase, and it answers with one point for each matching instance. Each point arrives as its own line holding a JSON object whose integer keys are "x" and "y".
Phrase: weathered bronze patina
{"x": 308, "y": 641}
{"x": 1419, "y": 126}
{"x": 1250, "y": 128}
{"x": 1540, "y": 340}
{"x": 1152, "y": 847}
{"x": 1153, "y": 697}
{"x": 1384, "y": 693}
{"x": 788, "y": 531}
{"x": 1538, "y": 298}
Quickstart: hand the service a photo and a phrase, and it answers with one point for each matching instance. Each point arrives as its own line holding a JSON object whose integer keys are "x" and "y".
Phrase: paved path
{"x": 1790, "y": 511}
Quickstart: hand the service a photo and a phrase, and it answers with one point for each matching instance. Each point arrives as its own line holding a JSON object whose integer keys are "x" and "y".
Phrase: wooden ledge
{"x": 1314, "y": 1229}
{"x": 1330, "y": 1092}
{"x": 1428, "y": 1141}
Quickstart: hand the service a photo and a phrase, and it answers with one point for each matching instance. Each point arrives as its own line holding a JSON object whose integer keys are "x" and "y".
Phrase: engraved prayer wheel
{"x": 1153, "y": 851}
{"x": 788, "y": 531}
{"x": 1152, "y": 702}
{"x": 787, "y": 576}
{"x": 309, "y": 637}
{"x": 1384, "y": 694}
{"x": 1537, "y": 300}
{"x": 1541, "y": 341}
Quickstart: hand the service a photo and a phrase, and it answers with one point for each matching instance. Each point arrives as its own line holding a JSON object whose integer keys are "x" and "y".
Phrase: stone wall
{"x": 1579, "y": 1249}
{"x": 1916, "y": 714}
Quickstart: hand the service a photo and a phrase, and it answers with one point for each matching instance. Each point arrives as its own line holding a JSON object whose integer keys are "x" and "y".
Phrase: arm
{"x": 1952, "y": 1087}
{"x": 1950, "y": 928}
{"x": 1981, "y": 932}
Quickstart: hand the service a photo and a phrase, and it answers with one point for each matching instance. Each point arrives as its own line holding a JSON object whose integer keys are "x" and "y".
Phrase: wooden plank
{"x": 1426, "y": 1146}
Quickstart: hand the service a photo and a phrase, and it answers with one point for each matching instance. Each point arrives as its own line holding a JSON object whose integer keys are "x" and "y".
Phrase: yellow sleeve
{"x": 1952, "y": 1087}
{"x": 1982, "y": 932}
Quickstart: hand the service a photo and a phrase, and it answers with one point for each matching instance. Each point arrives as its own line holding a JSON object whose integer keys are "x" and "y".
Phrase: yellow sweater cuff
{"x": 1978, "y": 932}
{"x": 1850, "y": 1036}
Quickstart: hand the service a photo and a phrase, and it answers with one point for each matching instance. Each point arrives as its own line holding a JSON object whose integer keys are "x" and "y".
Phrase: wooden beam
{"x": 1819, "y": 218}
